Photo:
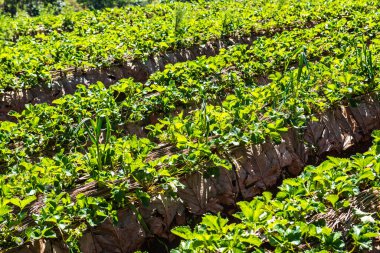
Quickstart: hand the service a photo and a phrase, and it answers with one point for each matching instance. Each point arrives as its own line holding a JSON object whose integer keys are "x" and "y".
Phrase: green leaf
{"x": 267, "y": 196}
{"x": 27, "y": 201}
{"x": 5, "y": 209}
{"x": 144, "y": 197}
{"x": 246, "y": 210}
{"x": 215, "y": 223}
{"x": 158, "y": 88}
{"x": 367, "y": 175}
{"x": 59, "y": 101}
{"x": 48, "y": 233}
{"x": 22, "y": 203}
{"x": 332, "y": 198}
{"x": 371, "y": 235}
{"x": 291, "y": 182}
{"x": 252, "y": 240}
{"x": 184, "y": 232}
{"x": 180, "y": 138}
{"x": 164, "y": 173}
{"x": 35, "y": 234}
{"x": 346, "y": 203}
{"x": 275, "y": 136}
{"x": 18, "y": 240}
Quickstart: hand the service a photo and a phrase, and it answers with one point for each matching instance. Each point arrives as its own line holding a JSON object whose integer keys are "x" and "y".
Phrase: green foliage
{"x": 101, "y": 4}
{"x": 44, "y": 127}
{"x": 32, "y": 7}
{"x": 91, "y": 119}
{"x": 293, "y": 220}
{"x": 89, "y": 137}
{"x": 35, "y": 52}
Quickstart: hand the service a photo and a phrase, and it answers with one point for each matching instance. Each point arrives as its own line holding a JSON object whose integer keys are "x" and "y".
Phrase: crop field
{"x": 195, "y": 126}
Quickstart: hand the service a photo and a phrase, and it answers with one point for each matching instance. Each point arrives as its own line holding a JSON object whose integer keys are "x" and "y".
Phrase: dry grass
{"x": 342, "y": 219}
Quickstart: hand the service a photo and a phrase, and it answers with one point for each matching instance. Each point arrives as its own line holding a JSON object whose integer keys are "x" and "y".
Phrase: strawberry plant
{"x": 296, "y": 219}
{"x": 35, "y": 52}
{"x": 110, "y": 138}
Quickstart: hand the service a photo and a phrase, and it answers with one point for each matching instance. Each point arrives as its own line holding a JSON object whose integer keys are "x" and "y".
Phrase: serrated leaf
{"x": 180, "y": 138}
{"x": 183, "y": 232}
{"x": 5, "y": 210}
{"x": 332, "y": 198}
{"x": 371, "y": 235}
{"x": 252, "y": 240}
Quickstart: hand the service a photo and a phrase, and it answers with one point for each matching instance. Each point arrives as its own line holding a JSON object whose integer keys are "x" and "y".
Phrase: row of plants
{"x": 95, "y": 22}
{"x": 100, "y": 39}
{"x": 31, "y": 7}
{"x": 44, "y": 129}
{"x": 333, "y": 207}
{"x": 17, "y": 8}
{"x": 124, "y": 166}
{"x": 250, "y": 114}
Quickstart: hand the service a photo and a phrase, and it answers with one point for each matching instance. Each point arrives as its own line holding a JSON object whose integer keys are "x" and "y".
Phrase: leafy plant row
{"x": 249, "y": 115}
{"x": 129, "y": 170}
{"x": 99, "y": 39}
{"x": 44, "y": 127}
{"x": 333, "y": 207}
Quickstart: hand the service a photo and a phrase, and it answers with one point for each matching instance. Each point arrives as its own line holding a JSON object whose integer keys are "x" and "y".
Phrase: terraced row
{"x": 130, "y": 169}
{"x": 99, "y": 39}
{"x": 333, "y": 207}
{"x": 130, "y": 106}
{"x": 68, "y": 167}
